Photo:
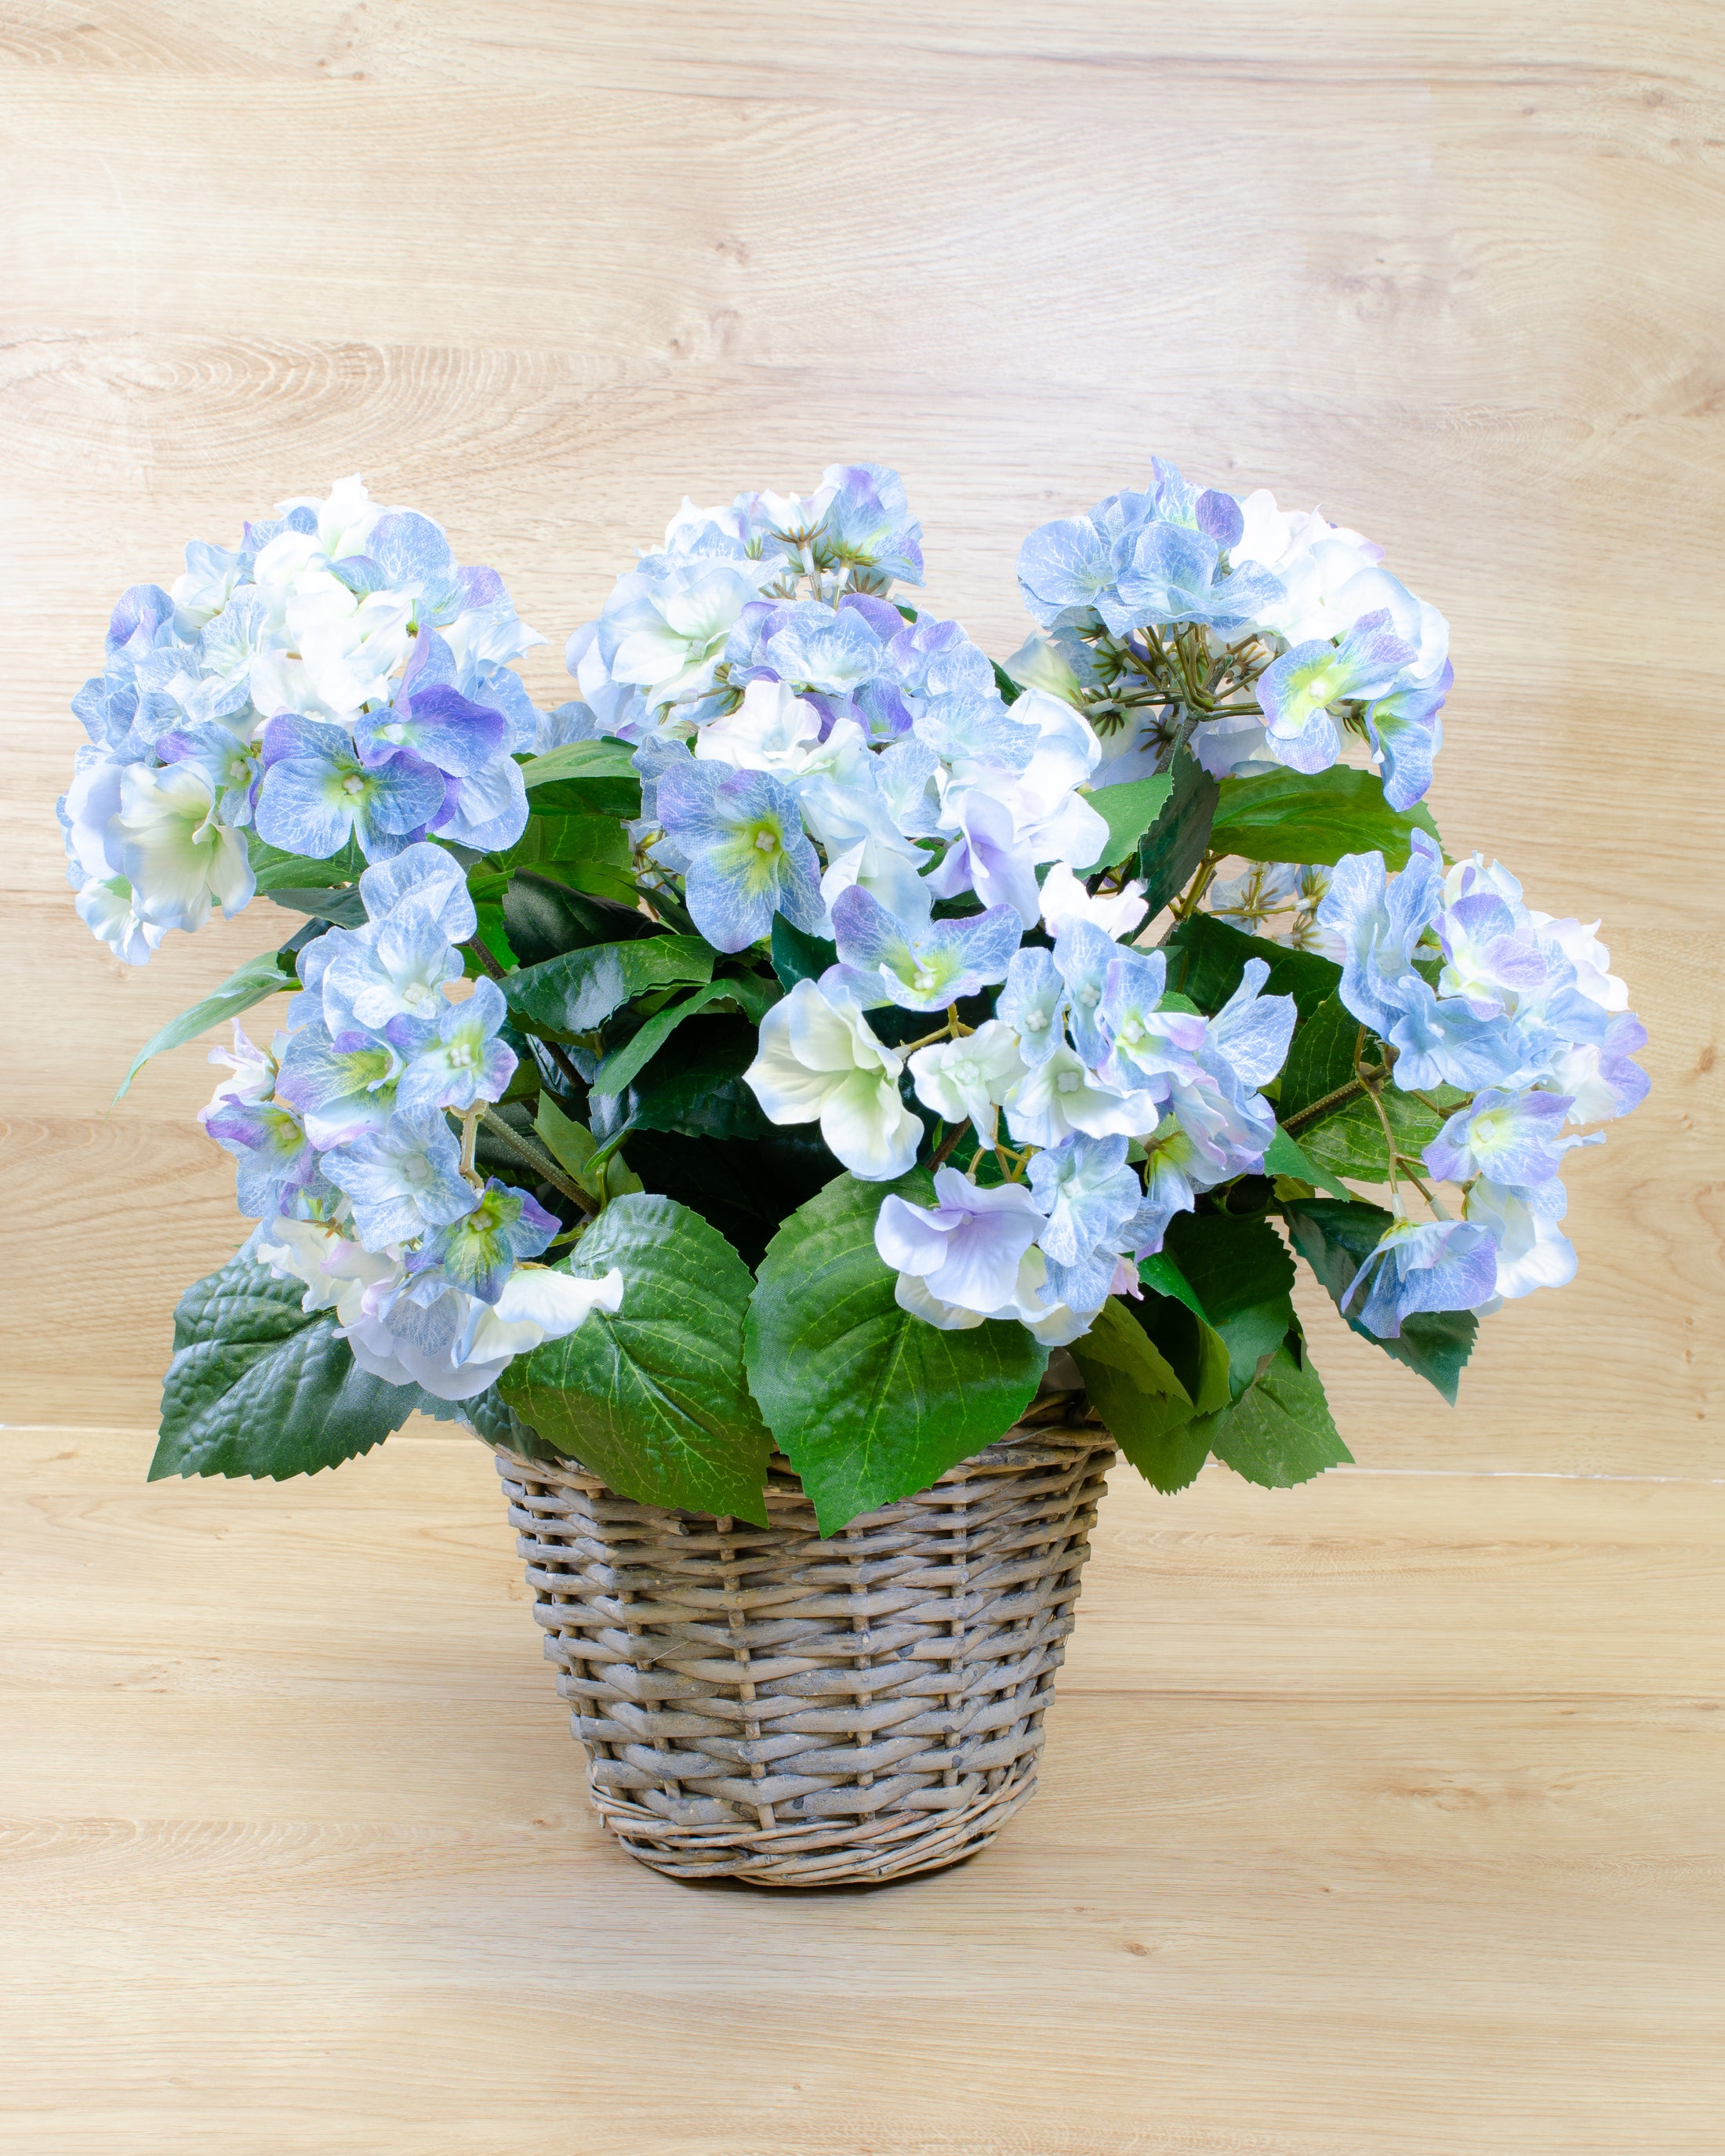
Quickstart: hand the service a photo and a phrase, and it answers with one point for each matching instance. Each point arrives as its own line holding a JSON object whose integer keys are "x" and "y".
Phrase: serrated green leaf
{"x": 1174, "y": 844}
{"x": 1197, "y": 1352}
{"x": 1314, "y": 817}
{"x": 1206, "y": 958}
{"x": 1336, "y": 1240}
{"x": 563, "y": 844}
{"x": 869, "y": 1402}
{"x": 1133, "y": 1387}
{"x": 1128, "y": 809}
{"x": 653, "y": 1396}
{"x": 604, "y": 758}
{"x": 798, "y": 956}
{"x": 1242, "y": 1274}
{"x": 257, "y": 978}
{"x": 1010, "y": 690}
{"x": 579, "y": 990}
{"x": 1279, "y": 1431}
{"x": 1284, "y": 1155}
{"x": 259, "y": 1388}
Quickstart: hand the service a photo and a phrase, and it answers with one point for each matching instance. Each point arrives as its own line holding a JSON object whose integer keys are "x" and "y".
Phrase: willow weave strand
{"x": 762, "y": 1704}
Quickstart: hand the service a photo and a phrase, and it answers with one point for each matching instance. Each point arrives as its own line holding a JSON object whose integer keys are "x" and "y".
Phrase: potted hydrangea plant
{"x": 809, "y": 1098}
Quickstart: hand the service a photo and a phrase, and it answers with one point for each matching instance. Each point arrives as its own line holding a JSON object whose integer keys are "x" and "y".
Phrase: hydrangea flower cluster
{"x": 348, "y": 1158}
{"x": 1467, "y": 988}
{"x": 1253, "y": 635}
{"x": 833, "y": 977}
{"x": 336, "y": 675}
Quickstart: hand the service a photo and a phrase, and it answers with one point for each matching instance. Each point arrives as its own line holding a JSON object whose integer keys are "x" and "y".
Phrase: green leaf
{"x": 546, "y": 919}
{"x": 256, "y": 1387}
{"x": 1316, "y": 816}
{"x": 277, "y": 870}
{"x": 1010, "y": 690}
{"x": 578, "y": 991}
{"x": 618, "y": 799}
{"x": 1279, "y": 1431}
{"x": 1349, "y": 1140}
{"x": 1175, "y": 843}
{"x": 696, "y": 1085}
{"x": 869, "y": 1402}
{"x": 493, "y": 931}
{"x": 653, "y": 1397}
{"x": 573, "y": 1145}
{"x": 1160, "y": 1272}
{"x": 1206, "y": 958}
{"x": 566, "y": 840}
{"x": 1284, "y": 1157}
{"x": 798, "y": 956}
{"x": 1319, "y": 1060}
{"x": 344, "y": 907}
{"x": 1128, "y": 809}
{"x": 604, "y": 758}
{"x": 1336, "y": 1240}
{"x": 621, "y": 1066}
{"x": 1242, "y": 1274}
{"x": 1134, "y": 1389}
{"x": 258, "y": 977}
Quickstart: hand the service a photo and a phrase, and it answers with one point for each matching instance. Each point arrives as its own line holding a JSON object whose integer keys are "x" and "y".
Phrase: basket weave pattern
{"x": 759, "y": 1703}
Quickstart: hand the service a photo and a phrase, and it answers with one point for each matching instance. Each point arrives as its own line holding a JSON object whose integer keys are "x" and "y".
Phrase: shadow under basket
{"x": 759, "y": 1704}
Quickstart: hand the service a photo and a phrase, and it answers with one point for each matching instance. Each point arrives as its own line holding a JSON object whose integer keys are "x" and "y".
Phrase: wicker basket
{"x": 760, "y": 1704}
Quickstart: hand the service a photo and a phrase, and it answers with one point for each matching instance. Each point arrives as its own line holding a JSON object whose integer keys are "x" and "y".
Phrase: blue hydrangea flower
{"x": 1173, "y": 576}
{"x": 1084, "y": 953}
{"x": 233, "y": 767}
{"x": 867, "y": 525}
{"x": 434, "y": 879}
{"x": 403, "y": 1179}
{"x": 926, "y": 965}
{"x": 1146, "y": 1044}
{"x": 1406, "y": 732}
{"x": 1514, "y": 1138}
{"x": 389, "y": 977}
{"x": 749, "y": 857}
{"x": 1033, "y": 1002}
{"x": 478, "y": 1250}
{"x": 1377, "y": 923}
{"x": 279, "y": 1165}
{"x": 461, "y": 1061}
{"x": 1297, "y": 689}
{"x": 316, "y": 790}
{"x": 1089, "y": 1195}
{"x": 339, "y": 1085}
{"x": 1064, "y": 568}
{"x": 1419, "y": 1265}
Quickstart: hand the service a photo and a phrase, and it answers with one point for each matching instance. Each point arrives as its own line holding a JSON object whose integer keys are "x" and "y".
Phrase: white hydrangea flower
{"x": 820, "y": 1061}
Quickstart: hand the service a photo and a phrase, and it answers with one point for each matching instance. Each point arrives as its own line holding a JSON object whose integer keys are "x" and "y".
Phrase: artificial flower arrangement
{"x": 814, "y": 1034}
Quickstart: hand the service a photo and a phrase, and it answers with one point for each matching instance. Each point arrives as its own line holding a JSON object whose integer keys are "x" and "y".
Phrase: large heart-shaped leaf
{"x": 869, "y": 1402}
{"x": 258, "y": 1387}
{"x": 653, "y": 1396}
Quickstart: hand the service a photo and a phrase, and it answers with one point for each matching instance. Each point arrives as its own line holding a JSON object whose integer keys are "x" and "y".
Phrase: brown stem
{"x": 540, "y": 1162}
{"x": 948, "y": 1145}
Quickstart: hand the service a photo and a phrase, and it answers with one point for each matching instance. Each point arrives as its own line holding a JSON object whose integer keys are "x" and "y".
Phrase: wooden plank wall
{"x": 1380, "y": 1819}
{"x": 540, "y": 270}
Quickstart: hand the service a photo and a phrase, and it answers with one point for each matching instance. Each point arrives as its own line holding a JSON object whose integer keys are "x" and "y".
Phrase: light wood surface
{"x": 1379, "y": 1818}
{"x": 1410, "y": 1844}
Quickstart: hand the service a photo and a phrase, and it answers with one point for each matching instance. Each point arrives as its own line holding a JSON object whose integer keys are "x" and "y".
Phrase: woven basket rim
{"x": 1027, "y": 1444}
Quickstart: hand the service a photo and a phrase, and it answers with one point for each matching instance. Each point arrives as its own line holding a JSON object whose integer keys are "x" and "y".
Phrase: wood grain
{"x": 542, "y": 275}
{"x": 1380, "y": 1818}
